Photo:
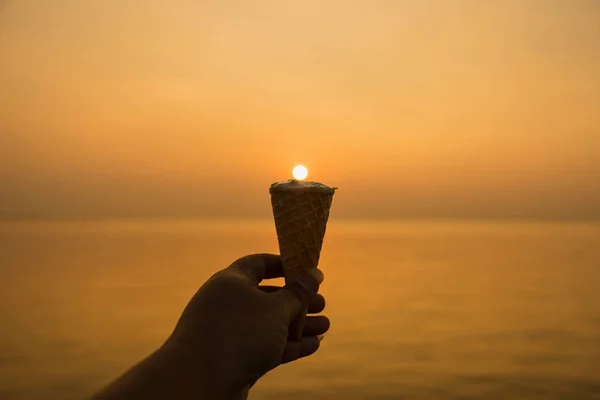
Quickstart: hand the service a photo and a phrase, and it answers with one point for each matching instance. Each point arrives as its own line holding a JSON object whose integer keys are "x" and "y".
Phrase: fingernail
{"x": 320, "y": 337}
{"x": 310, "y": 281}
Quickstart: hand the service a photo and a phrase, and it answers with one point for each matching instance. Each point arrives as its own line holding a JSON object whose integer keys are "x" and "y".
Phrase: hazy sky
{"x": 459, "y": 108}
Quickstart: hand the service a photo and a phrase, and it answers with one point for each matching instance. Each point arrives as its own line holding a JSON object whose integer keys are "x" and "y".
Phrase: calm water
{"x": 418, "y": 310}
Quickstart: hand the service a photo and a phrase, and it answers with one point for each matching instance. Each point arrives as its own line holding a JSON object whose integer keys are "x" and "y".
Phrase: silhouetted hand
{"x": 231, "y": 333}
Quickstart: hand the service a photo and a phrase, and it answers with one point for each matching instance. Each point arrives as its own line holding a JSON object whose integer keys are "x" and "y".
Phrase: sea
{"x": 427, "y": 310}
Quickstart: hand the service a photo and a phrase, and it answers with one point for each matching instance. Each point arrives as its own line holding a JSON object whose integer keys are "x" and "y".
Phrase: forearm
{"x": 166, "y": 375}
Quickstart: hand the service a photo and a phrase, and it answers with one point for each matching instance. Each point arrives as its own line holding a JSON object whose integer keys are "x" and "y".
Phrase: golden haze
{"x": 442, "y": 109}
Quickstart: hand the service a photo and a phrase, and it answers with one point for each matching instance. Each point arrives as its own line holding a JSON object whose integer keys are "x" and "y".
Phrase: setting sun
{"x": 300, "y": 172}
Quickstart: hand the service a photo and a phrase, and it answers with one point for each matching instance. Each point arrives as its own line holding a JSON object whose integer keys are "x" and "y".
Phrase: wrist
{"x": 196, "y": 376}
{"x": 170, "y": 373}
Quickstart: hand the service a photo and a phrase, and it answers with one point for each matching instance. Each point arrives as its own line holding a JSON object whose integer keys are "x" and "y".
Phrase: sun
{"x": 300, "y": 172}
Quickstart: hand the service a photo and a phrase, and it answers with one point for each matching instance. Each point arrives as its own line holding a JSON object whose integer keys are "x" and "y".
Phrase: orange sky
{"x": 461, "y": 108}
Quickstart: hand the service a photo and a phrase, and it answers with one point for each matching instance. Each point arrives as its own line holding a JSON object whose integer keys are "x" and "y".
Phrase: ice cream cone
{"x": 301, "y": 211}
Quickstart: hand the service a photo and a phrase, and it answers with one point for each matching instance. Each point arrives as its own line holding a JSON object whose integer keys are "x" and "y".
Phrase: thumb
{"x": 297, "y": 295}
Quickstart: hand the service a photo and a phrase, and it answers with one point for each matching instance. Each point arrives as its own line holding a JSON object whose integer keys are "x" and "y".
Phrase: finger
{"x": 316, "y": 306}
{"x": 316, "y": 325}
{"x": 302, "y": 348}
{"x": 297, "y": 296}
{"x": 259, "y": 266}
{"x": 269, "y": 288}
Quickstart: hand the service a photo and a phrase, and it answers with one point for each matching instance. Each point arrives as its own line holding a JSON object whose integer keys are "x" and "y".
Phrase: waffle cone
{"x": 300, "y": 220}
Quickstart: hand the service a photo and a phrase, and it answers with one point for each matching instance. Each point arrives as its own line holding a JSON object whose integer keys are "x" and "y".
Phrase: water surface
{"x": 419, "y": 310}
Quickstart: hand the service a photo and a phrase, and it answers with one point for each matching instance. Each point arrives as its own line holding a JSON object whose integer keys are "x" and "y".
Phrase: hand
{"x": 240, "y": 329}
{"x": 232, "y": 332}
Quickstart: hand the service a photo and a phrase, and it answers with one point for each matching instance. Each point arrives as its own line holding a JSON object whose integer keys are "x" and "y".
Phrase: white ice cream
{"x": 293, "y": 185}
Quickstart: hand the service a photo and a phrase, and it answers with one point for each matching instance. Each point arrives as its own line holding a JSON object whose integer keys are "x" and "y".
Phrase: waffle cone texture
{"x": 300, "y": 220}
